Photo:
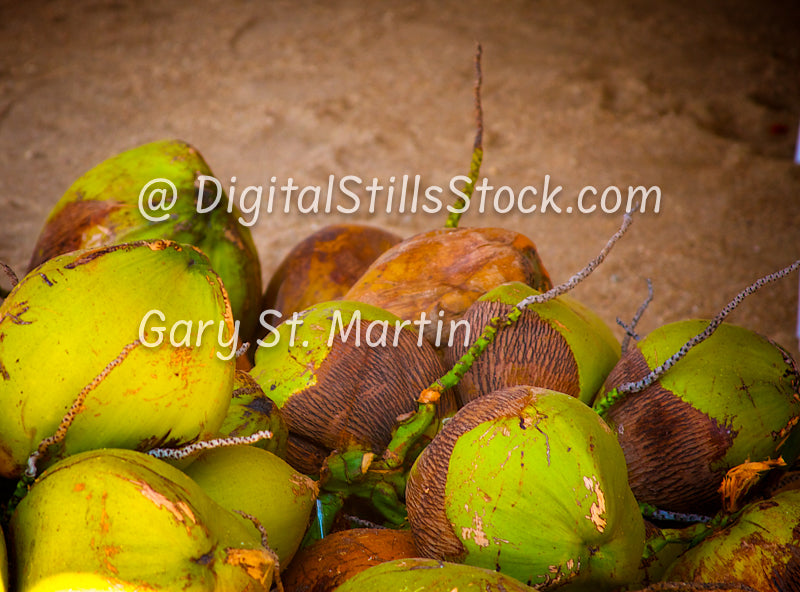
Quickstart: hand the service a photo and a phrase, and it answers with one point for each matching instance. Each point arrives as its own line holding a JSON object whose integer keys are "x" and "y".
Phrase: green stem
{"x": 466, "y": 361}
{"x": 21, "y": 490}
{"x": 328, "y": 506}
{"x": 406, "y": 434}
{"x": 462, "y": 203}
{"x": 606, "y": 401}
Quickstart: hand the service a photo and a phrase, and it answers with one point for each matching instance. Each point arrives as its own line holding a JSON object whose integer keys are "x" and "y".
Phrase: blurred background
{"x": 701, "y": 100}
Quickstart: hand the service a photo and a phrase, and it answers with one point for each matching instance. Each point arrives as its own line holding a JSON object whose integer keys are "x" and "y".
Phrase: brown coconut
{"x": 442, "y": 272}
{"x": 324, "y": 266}
{"x": 341, "y": 555}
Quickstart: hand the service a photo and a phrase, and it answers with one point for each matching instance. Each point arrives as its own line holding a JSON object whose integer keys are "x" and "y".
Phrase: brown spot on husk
{"x": 447, "y": 270}
{"x": 361, "y": 390}
{"x": 339, "y": 556}
{"x": 64, "y": 231}
{"x": 787, "y": 575}
{"x": 529, "y": 352}
{"x": 257, "y": 563}
{"x": 756, "y": 560}
{"x": 179, "y": 509}
{"x": 670, "y": 447}
{"x": 425, "y": 491}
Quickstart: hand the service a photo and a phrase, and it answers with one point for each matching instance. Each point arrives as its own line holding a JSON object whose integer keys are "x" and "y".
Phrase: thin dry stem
{"x": 630, "y": 330}
{"x": 576, "y": 279}
{"x": 189, "y": 449}
{"x": 640, "y": 385}
{"x": 265, "y": 544}
{"x": 77, "y": 407}
{"x": 477, "y": 149}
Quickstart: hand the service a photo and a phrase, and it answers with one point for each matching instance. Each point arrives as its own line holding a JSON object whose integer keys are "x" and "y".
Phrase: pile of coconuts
{"x": 424, "y": 413}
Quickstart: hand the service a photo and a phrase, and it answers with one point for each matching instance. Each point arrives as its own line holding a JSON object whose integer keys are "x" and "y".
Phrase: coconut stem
{"x": 329, "y": 504}
{"x": 409, "y": 430}
{"x": 688, "y": 536}
{"x": 29, "y": 476}
{"x": 265, "y": 544}
{"x": 189, "y": 449}
{"x": 243, "y": 349}
{"x": 630, "y": 330}
{"x": 576, "y": 279}
{"x": 649, "y": 511}
{"x": 477, "y": 150}
{"x": 76, "y": 408}
{"x": 605, "y": 402}
{"x": 466, "y": 361}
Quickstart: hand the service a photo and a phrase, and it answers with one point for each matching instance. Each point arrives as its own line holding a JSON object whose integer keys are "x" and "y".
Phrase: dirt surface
{"x": 699, "y": 99}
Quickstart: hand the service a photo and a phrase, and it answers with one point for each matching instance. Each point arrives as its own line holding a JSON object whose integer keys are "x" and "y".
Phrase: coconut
{"x": 118, "y": 331}
{"x": 532, "y": 483}
{"x": 560, "y": 345}
{"x": 134, "y": 522}
{"x": 732, "y": 399}
{"x": 113, "y": 203}
{"x": 343, "y": 375}
{"x": 428, "y": 575}
{"x": 760, "y": 549}
{"x": 442, "y": 272}
{"x": 255, "y": 481}
{"x": 324, "y": 266}
{"x": 339, "y": 556}
{"x": 251, "y": 411}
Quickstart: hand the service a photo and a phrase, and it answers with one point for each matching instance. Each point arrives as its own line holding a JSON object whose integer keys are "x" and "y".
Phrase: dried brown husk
{"x": 530, "y": 352}
{"x": 324, "y": 266}
{"x": 359, "y": 393}
{"x": 443, "y": 271}
{"x": 425, "y": 491}
{"x": 341, "y": 555}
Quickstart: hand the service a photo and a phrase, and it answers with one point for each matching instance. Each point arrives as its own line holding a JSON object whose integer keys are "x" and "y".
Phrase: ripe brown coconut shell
{"x": 341, "y": 555}
{"x": 442, "y": 272}
{"x": 324, "y": 266}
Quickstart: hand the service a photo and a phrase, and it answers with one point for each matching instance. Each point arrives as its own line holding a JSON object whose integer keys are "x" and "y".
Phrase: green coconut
{"x": 110, "y": 204}
{"x": 429, "y": 575}
{"x": 733, "y": 398}
{"x": 560, "y": 344}
{"x": 81, "y": 330}
{"x": 532, "y": 483}
{"x": 761, "y": 549}
{"x": 341, "y": 373}
{"x": 123, "y": 520}
{"x": 257, "y": 482}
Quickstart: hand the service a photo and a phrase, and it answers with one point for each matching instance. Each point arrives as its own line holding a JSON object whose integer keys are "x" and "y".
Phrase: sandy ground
{"x": 699, "y": 99}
